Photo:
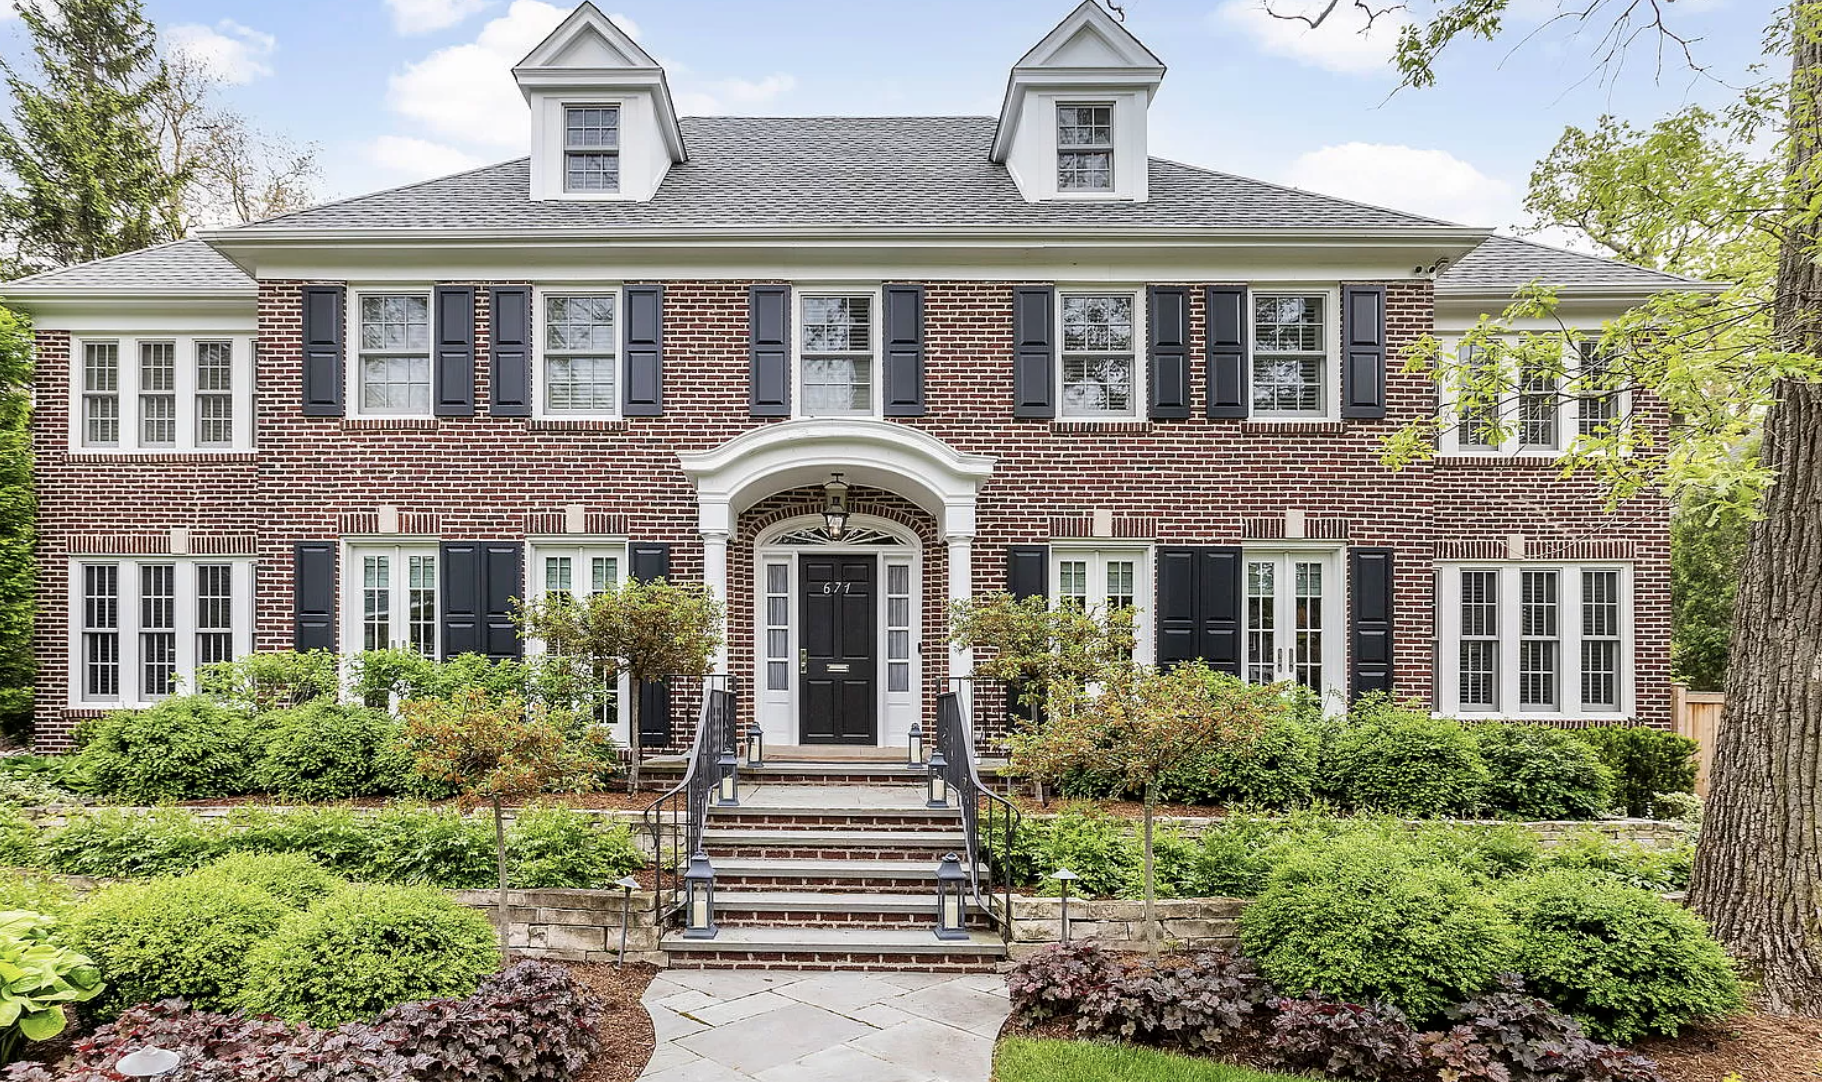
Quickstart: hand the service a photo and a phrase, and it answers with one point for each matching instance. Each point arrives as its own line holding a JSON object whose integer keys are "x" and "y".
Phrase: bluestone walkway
{"x": 777, "y": 1026}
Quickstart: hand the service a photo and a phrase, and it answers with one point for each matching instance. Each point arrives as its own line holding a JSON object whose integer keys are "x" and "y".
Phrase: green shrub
{"x": 185, "y": 747}
{"x": 1239, "y": 853}
{"x": 1107, "y": 852}
{"x": 1363, "y": 922}
{"x": 18, "y": 838}
{"x": 35, "y": 894}
{"x": 1405, "y": 762}
{"x": 1537, "y": 772}
{"x": 270, "y": 680}
{"x": 323, "y": 750}
{"x": 335, "y": 838}
{"x": 109, "y": 842}
{"x": 367, "y": 948}
{"x": 1276, "y": 769}
{"x": 1644, "y": 761}
{"x": 557, "y": 847}
{"x": 188, "y": 936}
{"x": 1623, "y": 961}
{"x": 411, "y": 843}
{"x": 1626, "y": 863}
{"x": 292, "y": 878}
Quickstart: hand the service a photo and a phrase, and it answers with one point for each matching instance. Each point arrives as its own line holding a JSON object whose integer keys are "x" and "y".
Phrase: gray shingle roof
{"x": 1505, "y": 264}
{"x": 858, "y": 171}
{"x": 179, "y": 265}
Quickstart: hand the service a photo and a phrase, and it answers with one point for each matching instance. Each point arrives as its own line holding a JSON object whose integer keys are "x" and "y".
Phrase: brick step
{"x": 825, "y": 876}
{"x": 780, "y": 772}
{"x": 871, "y": 819}
{"x": 835, "y": 948}
{"x": 811, "y": 909}
{"x": 831, "y": 844}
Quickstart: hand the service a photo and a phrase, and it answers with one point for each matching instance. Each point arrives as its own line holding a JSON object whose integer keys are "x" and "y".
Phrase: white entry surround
{"x": 803, "y": 453}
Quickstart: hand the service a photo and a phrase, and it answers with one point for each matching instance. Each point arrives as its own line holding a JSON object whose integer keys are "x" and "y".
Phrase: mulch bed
{"x": 627, "y": 1040}
{"x": 604, "y": 801}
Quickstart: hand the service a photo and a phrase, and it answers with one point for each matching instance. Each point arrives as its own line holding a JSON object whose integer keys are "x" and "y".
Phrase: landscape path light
{"x": 148, "y": 1062}
{"x": 627, "y": 885}
{"x": 1065, "y": 877}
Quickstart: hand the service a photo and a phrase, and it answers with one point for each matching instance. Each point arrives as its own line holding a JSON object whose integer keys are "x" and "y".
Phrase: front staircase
{"x": 829, "y": 862}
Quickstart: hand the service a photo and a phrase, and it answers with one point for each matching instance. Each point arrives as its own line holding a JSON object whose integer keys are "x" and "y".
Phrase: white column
{"x": 961, "y": 588}
{"x": 715, "y": 576}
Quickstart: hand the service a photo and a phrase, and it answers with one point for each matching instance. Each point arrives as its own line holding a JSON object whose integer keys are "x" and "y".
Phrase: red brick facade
{"x": 1193, "y": 481}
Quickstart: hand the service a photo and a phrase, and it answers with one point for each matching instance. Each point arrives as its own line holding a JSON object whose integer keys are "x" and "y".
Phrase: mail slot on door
{"x": 838, "y": 666}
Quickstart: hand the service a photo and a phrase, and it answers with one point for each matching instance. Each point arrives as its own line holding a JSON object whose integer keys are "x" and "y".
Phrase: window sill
{"x": 1294, "y": 425}
{"x": 389, "y": 424}
{"x": 161, "y": 455}
{"x": 575, "y": 424}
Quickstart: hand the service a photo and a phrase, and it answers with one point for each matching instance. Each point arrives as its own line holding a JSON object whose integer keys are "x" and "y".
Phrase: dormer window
{"x": 1085, "y": 147}
{"x": 591, "y": 148}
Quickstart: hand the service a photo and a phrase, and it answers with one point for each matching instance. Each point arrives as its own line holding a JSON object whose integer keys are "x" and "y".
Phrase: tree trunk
{"x": 1151, "y": 893}
{"x": 632, "y": 733}
{"x": 505, "y": 911}
{"x": 1758, "y": 869}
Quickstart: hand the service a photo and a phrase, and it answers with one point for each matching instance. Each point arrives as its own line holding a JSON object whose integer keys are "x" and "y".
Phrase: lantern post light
{"x": 727, "y": 786}
{"x": 755, "y": 745}
{"x": 914, "y": 752}
{"x": 148, "y": 1062}
{"x": 951, "y": 905}
{"x": 1065, "y": 877}
{"x": 835, "y": 507}
{"x": 627, "y": 885}
{"x": 699, "y": 898}
{"x": 936, "y": 784}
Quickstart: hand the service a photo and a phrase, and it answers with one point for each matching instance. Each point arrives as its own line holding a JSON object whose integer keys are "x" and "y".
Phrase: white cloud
{"x": 407, "y": 158}
{"x": 424, "y": 16}
{"x": 237, "y": 53}
{"x": 1340, "y": 44}
{"x": 1433, "y": 183}
{"x": 466, "y": 92}
{"x": 717, "y": 96}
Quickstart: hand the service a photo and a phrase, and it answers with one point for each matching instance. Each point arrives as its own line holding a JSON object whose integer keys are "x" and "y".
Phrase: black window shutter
{"x": 502, "y": 582}
{"x": 1199, "y": 606}
{"x": 644, "y": 343}
{"x": 459, "y": 571}
{"x": 509, "y": 352}
{"x": 650, "y": 561}
{"x": 452, "y": 379}
{"x": 1169, "y": 333}
{"x": 313, "y": 595}
{"x": 1370, "y": 632}
{"x": 904, "y": 351}
{"x": 1363, "y": 352}
{"x": 1028, "y": 571}
{"x": 1034, "y": 351}
{"x": 322, "y": 374}
{"x": 1177, "y": 596}
{"x": 769, "y": 335}
{"x": 1227, "y": 351}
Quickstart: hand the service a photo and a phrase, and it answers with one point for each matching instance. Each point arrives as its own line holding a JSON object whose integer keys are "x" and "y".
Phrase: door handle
{"x": 803, "y": 661}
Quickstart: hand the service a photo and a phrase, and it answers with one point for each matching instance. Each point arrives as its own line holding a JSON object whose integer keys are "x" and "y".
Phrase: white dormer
{"x": 1073, "y": 123}
{"x": 602, "y": 122}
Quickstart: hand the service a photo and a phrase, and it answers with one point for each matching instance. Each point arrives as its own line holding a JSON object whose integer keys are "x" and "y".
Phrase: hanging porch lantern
{"x": 951, "y": 899}
{"x": 914, "y": 752}
{"x": 835, "y": 507}
{"x": 936, "y": 784}
{"x": 699, "y": 898}
{"x": 727, "y": 785}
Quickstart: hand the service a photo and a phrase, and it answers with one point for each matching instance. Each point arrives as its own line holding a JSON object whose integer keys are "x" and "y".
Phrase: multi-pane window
{"x": 578, "y": 571}
{"x": 100, "y": 394}
{"x": 836, "y": 352}
{"x": 394, "y": 353}
{"x": 1287, "y": 617}
{"x": 1261, "y": 621}
{"x": 580, "y": 353}
{"x": 1307, "y": 647}
{"x": 1598, "y": 404}
{"x": 1478, "y": 422}
{"x": 157, "y": 394}
{"x": 898, "y": 627}
{"x": 778, "y": 626}
{"x": 1105, "y": 579}
{"x": 141, "y": 628}
{"x": 1541, "y": 406}
{"x": 591, "y": 148}
{"x": 393, "y": 598}
{"x": 1537, "y": 406}
{"x": 1099, "y": 373}
{"x": 1085, "y": 148}
{"x": 1290, "y": 353}
{"x": 1527, "y": 639}
{"x": 166, "y": 393}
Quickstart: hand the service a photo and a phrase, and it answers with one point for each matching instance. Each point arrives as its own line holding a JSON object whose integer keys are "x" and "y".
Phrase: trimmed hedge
{"x": 324, "y": 751}
{"x": 1535, "y": 772}
{"x": 1407, "y": 763}
{"x": 185, "y": 747}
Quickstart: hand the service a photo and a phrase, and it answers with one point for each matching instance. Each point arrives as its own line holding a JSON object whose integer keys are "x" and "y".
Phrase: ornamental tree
{"x": 1138, "y": 724}
{"x": 494, "y": 752}
{"x": 1032, "y": 646}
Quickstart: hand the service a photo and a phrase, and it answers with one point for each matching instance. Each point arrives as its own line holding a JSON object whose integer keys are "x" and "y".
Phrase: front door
{"x": 837, "y": 693}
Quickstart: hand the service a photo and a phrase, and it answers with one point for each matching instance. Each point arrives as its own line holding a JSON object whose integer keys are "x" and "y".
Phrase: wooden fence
{"x": 1697, "y": 714}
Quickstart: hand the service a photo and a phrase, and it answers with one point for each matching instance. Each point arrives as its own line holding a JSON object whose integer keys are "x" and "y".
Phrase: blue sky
{"x": 399, "y": 90}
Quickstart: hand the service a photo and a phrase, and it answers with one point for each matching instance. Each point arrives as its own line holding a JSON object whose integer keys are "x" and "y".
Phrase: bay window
{"x": 1532, "y": 639}
{"x": 141, "y": 627}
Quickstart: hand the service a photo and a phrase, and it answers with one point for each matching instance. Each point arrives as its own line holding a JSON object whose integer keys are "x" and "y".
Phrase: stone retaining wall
{"x": 1186, "y": 923}
{"x": 573, "y": 925}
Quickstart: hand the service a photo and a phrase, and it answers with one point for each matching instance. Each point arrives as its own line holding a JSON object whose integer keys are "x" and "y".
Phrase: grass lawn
{"x": 1022, "y": 1059}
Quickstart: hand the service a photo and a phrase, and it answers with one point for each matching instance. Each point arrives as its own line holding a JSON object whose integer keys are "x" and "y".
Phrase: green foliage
{"x": 1240, "y": 853}
{"x": 35, "y": 893}
{"x": 187, "y": 936}
{"x": 41, "y": 977}
{"x": 557, "y": 847}
{"x": 1363, "y": 922}
{"x": 495, "y": 750}
{"x": 323, "y": 751}
{"x": 291, "y": 878}
{"x": 1403, "y": 761}
{"x": 1623, "y": 962}
{"x": 184, "y": 747}
{"x": 364, "y": 949}
{"x": 109, "y": 842}
{"x": 1538, "y": 772}
{"x": 1033, "y": 646}
{"x": 18, "y": 838}
{"x": 336, "y": 838}
{"x": 271, "y": 680}
{"x": 1275, "y": 769}
{"x": 1707, "y": 542}
{"x": 1024, "y": 1059}
{"x": 1106, "y": 851}
{"x": 646, "y": 630}
{"x": 1644, "y": 762}
{"x": 18, "y": 532}
{"x": 1627, "y": 863}
{"x": 414, "y": 844}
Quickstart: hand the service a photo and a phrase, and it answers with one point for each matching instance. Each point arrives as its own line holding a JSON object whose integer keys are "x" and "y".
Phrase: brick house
{"x": 1041, "y": 360}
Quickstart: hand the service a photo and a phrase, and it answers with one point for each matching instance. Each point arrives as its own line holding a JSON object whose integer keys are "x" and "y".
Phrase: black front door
{"x": 838, "y": 704}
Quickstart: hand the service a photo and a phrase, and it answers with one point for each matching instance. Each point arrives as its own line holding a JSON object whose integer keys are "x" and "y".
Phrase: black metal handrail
{"x": 955, "y": 739}
{"x": 684, "y": 807}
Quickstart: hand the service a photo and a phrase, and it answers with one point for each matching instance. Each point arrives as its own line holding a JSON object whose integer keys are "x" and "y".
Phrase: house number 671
{"x": 837, "y": 587}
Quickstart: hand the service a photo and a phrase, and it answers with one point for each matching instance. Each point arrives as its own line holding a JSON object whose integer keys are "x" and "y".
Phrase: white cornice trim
{"x": 1094, "y": 235}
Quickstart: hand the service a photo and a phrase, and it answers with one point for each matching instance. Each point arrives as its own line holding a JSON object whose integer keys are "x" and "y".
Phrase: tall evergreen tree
{"x": 17, "y": 579}
{"x": 85, "y": 177}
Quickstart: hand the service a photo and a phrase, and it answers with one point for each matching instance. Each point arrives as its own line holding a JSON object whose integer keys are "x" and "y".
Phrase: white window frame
{"x": 1569, "y": 636}
{"x": 541, "y": 382}
{"x": 581, "y": 550}
{"x": 1140, "y": 353}
{"x": 1111, "y": 147}
{"x": 1335, "y": 597}
{"x": 127, "y": 394}
{"x": 353, "y": 604}
{"x": 1098, "y": 555}
{"x": 618, "y": 150}
{"x": 352, "y": 360}
{"x": 128, "y": 623}
{"x": 1330, "y": 374}
{"x": 1568, "y": 415}
{"x": 876, "y": 403}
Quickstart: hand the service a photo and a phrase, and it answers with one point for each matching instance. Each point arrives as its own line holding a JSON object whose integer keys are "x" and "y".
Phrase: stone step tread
{"x": 871, "y": 767}
{"x": 786, "y": 901}
{"x": 920, "y": 838}
{"x": 806, "y": 868}
{"x": 773, "y": 798}
{"x": 839, "y": 941}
